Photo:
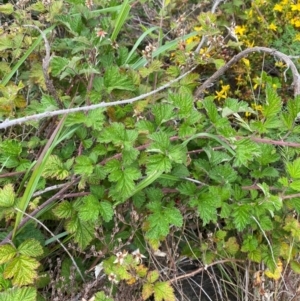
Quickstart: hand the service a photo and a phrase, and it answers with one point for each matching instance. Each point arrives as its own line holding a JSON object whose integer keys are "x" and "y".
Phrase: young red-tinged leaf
{"x": 147, "y": 290}
{"x": 22, "y": 270}
{"x": 7, "y": 252}
{"x": 153, "y": 276}
{"x": 163, "y": 291}
{"x": 7, "y": 196}
{"x": 31, "y": 247}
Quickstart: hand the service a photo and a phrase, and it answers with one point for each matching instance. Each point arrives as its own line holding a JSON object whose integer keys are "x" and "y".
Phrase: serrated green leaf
{"x": 10, "y": 148}
{"x": 187, "y": 188}
{"x": 125, "y": 180}
{"x": 241, "y": 216}
{"x": 223, "y": 174}
{"x": 72, "y": 22}
{"x": 19, "y": 293}
{"x": 147, "y": 290}
{"x": 293, "y": 168}
{"x": 22, "y": 270}
{"x": 6, "y": 9}
{"x": 163, "y": 291}
{"x": 115, "y": 80}
{"x": 163, "y": 112}
{"x": 246, "y": 150}
{"x": 206, "y": 207}
{"x": 250, "y": 243}
{"x": 83, "y": 231}
{"x": 161, "y": 142}
{"x": 273, "y": 103}
{"x": 83, "y": 165}
{"x": 211, "y": 109}
{"x": 232, "y": 246}
{"x": 7, "y": 196}
{"x": 89, "y": 210}
{"x": 106, "y": 211}
{"x": 161, "y": 219}
{"x": 31, "y": 247}
{"x": 7, "y": 252}
{"x": 63, "y": 210}
{"x": 158, "y": 163}
{"x": 54, "y": 168}
{"x": 152, "y": 276}
{"x": 58, "y": 64}
{"x": 101, "y": 296}
{"x": 295, "y": 266}
{"x": 95, "y": 119}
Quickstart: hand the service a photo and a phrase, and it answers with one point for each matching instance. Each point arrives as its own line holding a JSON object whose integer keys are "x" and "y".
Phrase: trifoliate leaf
{"x": 7, "y": 196}
{"x": 54, "y": 168}
{"x": 83, "y": 165}
{"x": 89, "y": 210}
{"x": 63, "y": 210}
{"x": 124, "y": 179}
{"x": 31, "y": 247}
{"x": 163, "y": 291}
{"x": 115, "y": 80}
{"x": 83, "y": 231}
{"x": 22, "y": 270}
{"x": 7, "y": 252}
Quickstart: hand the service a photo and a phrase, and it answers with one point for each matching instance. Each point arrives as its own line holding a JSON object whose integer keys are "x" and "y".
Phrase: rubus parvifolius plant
{"x": 122, "y": 154}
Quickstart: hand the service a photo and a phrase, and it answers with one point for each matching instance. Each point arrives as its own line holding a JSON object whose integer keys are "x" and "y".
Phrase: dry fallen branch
{"x": 8, "y": 123}
{"x": 290, "y": 64}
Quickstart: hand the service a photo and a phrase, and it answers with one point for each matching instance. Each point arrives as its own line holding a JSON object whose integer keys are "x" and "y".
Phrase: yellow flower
{"x": 246, "y": 62}
{"x": 225, "y": 89}
{"x": 280, "y": 64}
{"x": 240, "y": 30}
{"x": 197, "y": 28}
{"x": 295, "y": 7}
{"x": 297, "y": 37}
{"x": 278, "y": 7}
{"x": 249, "y": 44}
{"x": 297, "y": 23}
{"x": 272, "y": 26}
{"x": 223, "y": 93}
{"x": 220, "y": 95}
